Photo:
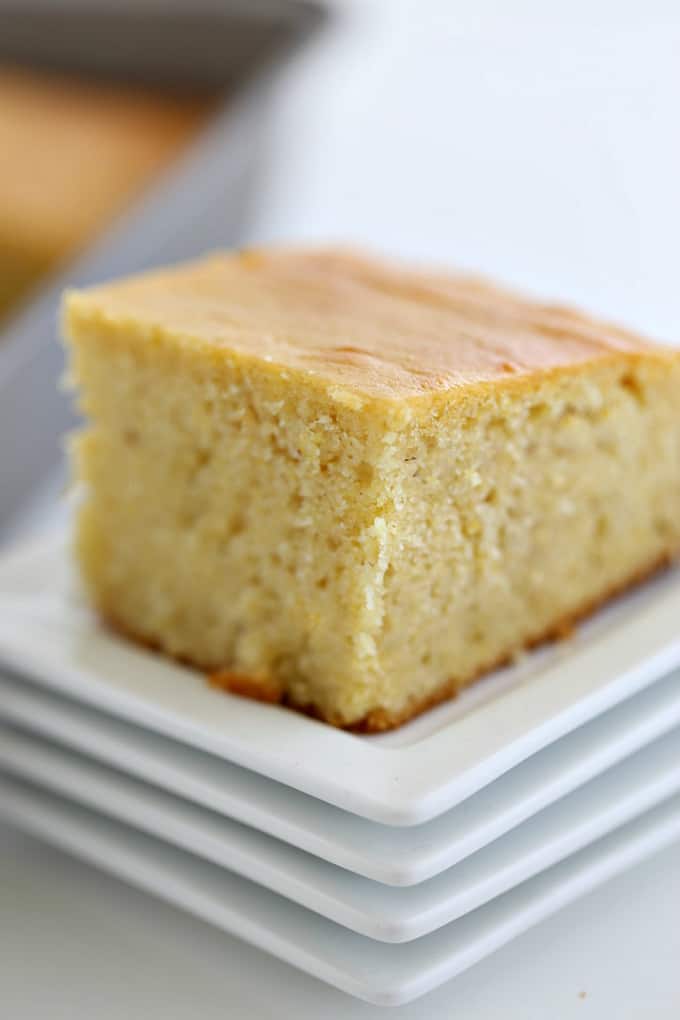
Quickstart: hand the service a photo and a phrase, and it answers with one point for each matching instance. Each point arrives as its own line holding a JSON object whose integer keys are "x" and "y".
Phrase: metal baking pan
{"x": 200, "y": 202}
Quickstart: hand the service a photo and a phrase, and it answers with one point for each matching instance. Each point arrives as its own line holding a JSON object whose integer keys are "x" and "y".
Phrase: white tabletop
{"x": 76, "y": 944}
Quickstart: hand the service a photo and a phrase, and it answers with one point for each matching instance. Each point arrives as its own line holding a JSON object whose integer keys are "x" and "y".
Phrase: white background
{"x": 538, "y": 142}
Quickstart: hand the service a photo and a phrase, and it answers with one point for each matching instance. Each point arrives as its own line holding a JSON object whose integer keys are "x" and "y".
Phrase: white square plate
{"x": 404, "y": 778}
{"x": 394, "y": 856}
{"x": 366, "y": 907}
{"x": 377, "y": 972}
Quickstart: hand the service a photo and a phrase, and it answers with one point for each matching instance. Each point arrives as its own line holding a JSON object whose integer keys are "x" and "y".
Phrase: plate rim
{"x": 400, "y": 857}
{"x": 398, "y": 786}
{"x": 648, "y": 781}
{"x": 436, "y": 958}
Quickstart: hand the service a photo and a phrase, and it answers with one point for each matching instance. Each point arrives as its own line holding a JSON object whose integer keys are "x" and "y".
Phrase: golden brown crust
{"x": 258, "y": 688}
{"x": 379, "y": 720}
{"x": 360, "y": 324}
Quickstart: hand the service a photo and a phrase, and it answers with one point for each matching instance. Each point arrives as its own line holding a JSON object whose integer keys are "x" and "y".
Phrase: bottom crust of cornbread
{"x": 268, "y": 689}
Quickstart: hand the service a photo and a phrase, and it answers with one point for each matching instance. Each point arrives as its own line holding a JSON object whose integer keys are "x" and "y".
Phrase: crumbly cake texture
{"x": 354, "y": 488}
{"x": 73, "y": 152}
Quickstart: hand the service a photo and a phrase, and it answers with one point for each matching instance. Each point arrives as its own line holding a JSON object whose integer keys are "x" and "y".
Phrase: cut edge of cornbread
{"x": 268, "y": 690}
{"x": 358, "y": 589}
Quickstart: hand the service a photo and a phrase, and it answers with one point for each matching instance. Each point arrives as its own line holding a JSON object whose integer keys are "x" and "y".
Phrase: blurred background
{"x": 535, "y": 142}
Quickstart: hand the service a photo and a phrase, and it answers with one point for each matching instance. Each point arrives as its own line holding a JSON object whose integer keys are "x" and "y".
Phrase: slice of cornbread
{"x": 353, "y": 487}
{"x": 73, "y": 153}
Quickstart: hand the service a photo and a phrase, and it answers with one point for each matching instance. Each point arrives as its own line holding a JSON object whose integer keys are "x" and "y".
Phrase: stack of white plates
{"x": 382, "y": 865}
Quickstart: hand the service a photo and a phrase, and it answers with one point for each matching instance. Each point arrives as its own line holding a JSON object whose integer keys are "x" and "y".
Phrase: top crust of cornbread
{"x": 356, "y": 323}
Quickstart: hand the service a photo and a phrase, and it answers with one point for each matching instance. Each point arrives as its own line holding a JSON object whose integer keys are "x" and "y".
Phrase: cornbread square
{"x": 353, "y": 487}
{"x": 73, "y": 153}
